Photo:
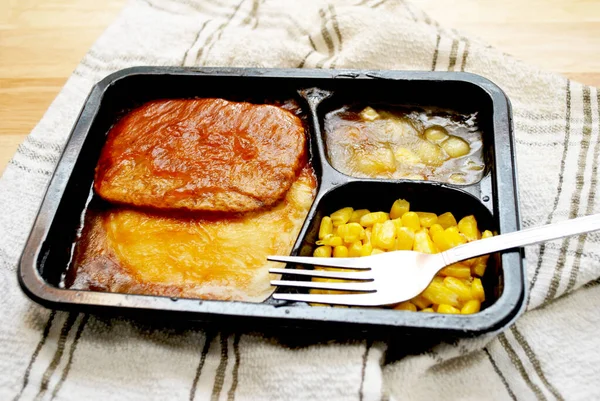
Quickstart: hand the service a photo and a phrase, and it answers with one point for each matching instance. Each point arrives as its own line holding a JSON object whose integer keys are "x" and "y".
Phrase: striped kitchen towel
{"x": 551, "y": 352}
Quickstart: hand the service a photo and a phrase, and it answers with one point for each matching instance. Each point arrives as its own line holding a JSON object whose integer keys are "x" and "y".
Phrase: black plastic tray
{"x": 493, "y": 200}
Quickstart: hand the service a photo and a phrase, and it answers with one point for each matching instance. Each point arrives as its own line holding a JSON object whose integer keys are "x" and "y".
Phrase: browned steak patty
{"x": 201, "y": 155}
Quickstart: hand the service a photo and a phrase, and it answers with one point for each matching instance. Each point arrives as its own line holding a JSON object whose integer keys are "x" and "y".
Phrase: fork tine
{"x": 368, "y": 299}
{"x": 363, "y": 275}
{"x": 365, "y": 287}
{"x": 344, "y": 263}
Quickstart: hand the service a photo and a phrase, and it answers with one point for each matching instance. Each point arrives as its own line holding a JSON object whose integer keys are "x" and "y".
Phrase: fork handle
{"x": 529, "y": 236}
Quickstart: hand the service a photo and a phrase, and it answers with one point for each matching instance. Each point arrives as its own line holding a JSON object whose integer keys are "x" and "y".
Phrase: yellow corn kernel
{"x": 355, "y": 249}
{"x": 376, "y": 251}
{"x": 423, "y": 242}
{"x": 405, "y": 306}
{"x": 399, "y": 207}
{"x": 457, "y": 286}
{"x": 472, "y": 306}
{"x": 468, "y": 227}
{"x": 438, "y": 293}
{"x": 421, "y": 302}
{"x": 340, "y": 252}
{"x": 351, "y": 232}
{"x": 405, "y": 239}
{"x": 357, "y": 214}
{"x": 375, "y": 233}
{"x": 457, "y": 270}
{"x": 411, "y": 220}
{"x": 469, "y": 262}
{"x": 477, "y": 290}
{"x": 428, "y": 310}
{"x": 446, "y": 220}
{"x": 487, "y": 234}
{"x": 331, "y": 240}
{"x": 371, "y": 218}
{"x": 384, "y": 235}
{"x": 448, "y": 239}
{"x": 444, "y": 308}
{"x": 397, "y": 223}
{"x": 427, "y": 219}
{"x": 322, "y": 252}
{"x": 434, "y": 229}
{"x": 341, "y": 216}
{"x": 367, "y": 249}
{"x": 326, "y": 227}
{"x": 480, "y": 265}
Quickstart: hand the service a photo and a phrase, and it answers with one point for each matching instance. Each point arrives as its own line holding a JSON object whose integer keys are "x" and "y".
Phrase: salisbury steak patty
{"x": 201, "y": 154}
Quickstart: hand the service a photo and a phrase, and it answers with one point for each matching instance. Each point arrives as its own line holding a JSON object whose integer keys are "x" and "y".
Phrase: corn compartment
{"x": 366, "y": 218}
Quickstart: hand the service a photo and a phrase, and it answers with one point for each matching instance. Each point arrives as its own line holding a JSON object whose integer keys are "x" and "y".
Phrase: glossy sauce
{"x": 205, "y": 256}
{"x": 201, "y": 155}
{"x": 387, "y": 142}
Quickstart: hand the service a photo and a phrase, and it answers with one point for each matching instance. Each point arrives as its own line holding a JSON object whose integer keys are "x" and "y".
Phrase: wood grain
{"x": 41, "y": 42}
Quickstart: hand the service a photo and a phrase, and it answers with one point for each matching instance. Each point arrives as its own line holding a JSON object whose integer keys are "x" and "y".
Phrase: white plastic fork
{"x": 393, "y": 277}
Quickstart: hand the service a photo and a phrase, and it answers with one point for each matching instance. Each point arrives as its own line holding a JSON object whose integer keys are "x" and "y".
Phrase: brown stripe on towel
{"x": 592, "y": 283}
{"x": 67, "y": 368}
{"x": 94, "y": 56}
{"x": 453, "y": 55}
{"x": 155, "y": 7}
{"x": 590, "y": 199}
{"x": 201, "y": 8}
{"x": 30, "y": 170}
{"x": 465, "y": 53}
{"x": 303, "y": 62}
{"x": 60, "y": 348}
{"x": 377, "y": 4}
{"x": 436, "y": 52}
{"x": 338, "y": 34}
{"x": 211, "y": 40}
{"x": 570, "y": 252}
{"x": 194, "y": 41}
{"x": 585, "y": 141}
{"x": 236, "y": 368}
{"x": 299, "y": 27}
{"x": 310, "y": 40}
{"x": 535, "y": 362}
{"x": 325, "y": 33}
{"x": 35, "y": 354}
{"x": 363, "y": 370}
{"x": 327, "y": 38}
{"x": 500, "y": 375}
{"x": 558, "y": 189}
{"x": 519, "y": 366}
{"x": 44, "y": 144}
{"x": 409, "y": 10}
{"x": 336, "y": 25}
{"x": 208, "y": 338}
{"x": 252, "y": 15}
{"x": 220, "y": 376}
{"x": 35, "y": 155}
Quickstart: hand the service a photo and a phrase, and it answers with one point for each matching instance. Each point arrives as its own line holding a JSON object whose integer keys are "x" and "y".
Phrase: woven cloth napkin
{"x": 551, "y": 352}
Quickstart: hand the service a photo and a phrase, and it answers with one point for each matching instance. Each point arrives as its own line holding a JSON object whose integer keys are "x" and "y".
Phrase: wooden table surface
{"x": 41, "y": 42}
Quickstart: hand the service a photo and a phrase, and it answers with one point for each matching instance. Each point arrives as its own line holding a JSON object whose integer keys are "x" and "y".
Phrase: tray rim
{"x": 505, "y": 310}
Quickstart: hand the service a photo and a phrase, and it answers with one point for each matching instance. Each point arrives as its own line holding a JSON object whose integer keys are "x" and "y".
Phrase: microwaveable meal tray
{"x": 493, "y": 200}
